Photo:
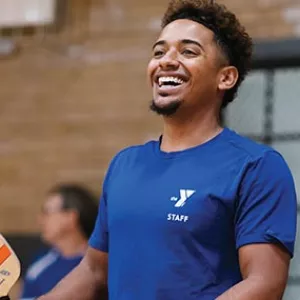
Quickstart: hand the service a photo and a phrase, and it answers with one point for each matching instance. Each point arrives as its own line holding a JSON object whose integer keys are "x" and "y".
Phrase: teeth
{"x": 162, "y": 80}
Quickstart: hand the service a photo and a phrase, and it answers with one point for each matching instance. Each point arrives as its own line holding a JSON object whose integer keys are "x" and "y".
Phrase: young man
{"x": 67, "y": 220}
{"x": 203, "y": 213}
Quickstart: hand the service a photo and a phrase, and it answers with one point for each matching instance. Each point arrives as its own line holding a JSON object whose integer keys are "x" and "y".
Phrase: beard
{"x": 166, "y": 110}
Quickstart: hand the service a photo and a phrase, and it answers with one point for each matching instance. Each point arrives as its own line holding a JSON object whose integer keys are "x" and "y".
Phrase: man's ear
{"x": 227, "y": 78}
{"x": 73, "y": 216}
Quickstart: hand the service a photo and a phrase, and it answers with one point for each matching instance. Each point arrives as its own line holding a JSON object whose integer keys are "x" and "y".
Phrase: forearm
{"x": 83, "y": 283}
{"x": 252, "y": 288}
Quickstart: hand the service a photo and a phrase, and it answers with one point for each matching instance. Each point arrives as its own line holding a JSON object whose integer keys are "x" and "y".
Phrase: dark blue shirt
{"x": 46, "y": 272}
{"x": 173, "y": 222}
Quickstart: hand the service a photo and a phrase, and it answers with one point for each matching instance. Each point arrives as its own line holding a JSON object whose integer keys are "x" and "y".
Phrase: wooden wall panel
{"x": 65, "y": 110}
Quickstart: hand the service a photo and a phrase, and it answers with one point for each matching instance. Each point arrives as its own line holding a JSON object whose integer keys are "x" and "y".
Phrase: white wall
{"x": 26, "y": 12}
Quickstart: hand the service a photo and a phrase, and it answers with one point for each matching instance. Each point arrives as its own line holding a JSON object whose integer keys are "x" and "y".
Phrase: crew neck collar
{"x": 187, "y": 151}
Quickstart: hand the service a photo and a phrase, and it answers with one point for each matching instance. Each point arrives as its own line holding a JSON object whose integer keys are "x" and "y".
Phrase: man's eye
{"x": 158, "y": 53}
{"x": 188, "y": 52}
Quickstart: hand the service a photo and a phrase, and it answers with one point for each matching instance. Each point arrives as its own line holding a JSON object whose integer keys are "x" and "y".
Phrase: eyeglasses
{"x": 52, "y": 210}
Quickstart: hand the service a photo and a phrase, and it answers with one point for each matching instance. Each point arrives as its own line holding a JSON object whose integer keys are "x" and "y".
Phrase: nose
{"x": 169, "y": 61}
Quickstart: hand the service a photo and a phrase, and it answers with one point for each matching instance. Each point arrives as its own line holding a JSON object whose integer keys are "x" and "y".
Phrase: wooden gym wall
{"x": 76, "y": 93}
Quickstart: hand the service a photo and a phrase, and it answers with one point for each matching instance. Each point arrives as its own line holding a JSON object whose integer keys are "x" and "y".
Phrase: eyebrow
{"x": 184, "y": 41}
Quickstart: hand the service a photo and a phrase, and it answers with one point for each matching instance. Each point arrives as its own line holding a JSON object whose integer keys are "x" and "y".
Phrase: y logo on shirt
{"x": 184, "y": 196}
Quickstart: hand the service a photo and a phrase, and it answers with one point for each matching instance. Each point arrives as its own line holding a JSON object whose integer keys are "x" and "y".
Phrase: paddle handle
{"x": 5, "y": 298}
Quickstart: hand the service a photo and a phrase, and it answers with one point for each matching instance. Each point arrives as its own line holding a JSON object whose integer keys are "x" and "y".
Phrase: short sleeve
{"x": 99, "y": 237}
{"x": 266, "y": 210}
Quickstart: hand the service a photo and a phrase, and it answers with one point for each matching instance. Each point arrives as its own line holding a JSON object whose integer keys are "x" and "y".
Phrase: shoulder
{"x": 136, "y": 150}
{"x": 41, "y": 263}
{"x": 132, "y": 153}
{"x": 256, "y": 158}
{"x": 263, "y": 163}
{"x": 128, "y": 156}
{"x": 246, "y": 147}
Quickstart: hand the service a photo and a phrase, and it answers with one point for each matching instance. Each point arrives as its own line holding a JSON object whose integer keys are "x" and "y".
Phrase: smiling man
{"x": 202, "y": 213}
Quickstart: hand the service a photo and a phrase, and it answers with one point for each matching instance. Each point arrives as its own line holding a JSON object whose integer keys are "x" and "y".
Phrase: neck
{"x": 72, "y": 245}
{"x": 181, "y": 133}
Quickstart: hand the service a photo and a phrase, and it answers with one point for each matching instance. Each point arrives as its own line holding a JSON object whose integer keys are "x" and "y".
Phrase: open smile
{"x": 169, "y": 84}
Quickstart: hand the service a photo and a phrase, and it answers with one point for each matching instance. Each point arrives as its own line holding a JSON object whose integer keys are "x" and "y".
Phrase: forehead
{"x": 186, "y": 29}
{"x": 53, "y": 201}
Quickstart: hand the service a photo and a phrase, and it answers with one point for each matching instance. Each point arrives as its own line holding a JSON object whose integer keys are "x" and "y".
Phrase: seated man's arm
{"x": 29, "y": 289}
{"x": 264, "y": 268}
{"x": 87, "y": 281}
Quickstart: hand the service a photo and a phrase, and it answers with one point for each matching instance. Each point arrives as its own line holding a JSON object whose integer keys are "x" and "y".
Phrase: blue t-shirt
{"x": 173, "y": 222}
{"x": 46, "y": 272}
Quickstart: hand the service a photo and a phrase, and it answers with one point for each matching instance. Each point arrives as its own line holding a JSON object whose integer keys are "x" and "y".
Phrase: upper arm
{"x": 265, "y": 223}
{"x": 266, "y": 210}
{"x": 266, "y": 264}
{"x": 29, "y": 289}
{"x": 97, "y": 262}
{"x": 30, "y": 285}
{"x": 100, "y": 235}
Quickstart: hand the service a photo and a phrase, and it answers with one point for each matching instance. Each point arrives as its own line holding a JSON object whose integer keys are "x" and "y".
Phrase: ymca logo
{"x": 184, "y": 196}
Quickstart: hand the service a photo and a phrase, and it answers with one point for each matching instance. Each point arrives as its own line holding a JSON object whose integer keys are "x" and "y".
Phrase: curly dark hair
{"x": 229, "y": 34}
